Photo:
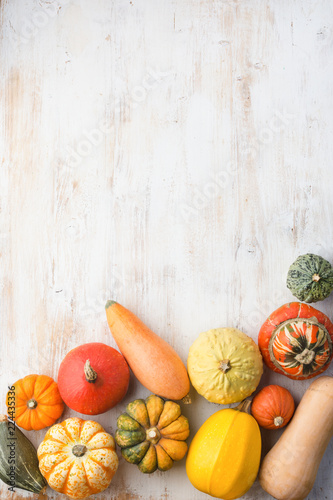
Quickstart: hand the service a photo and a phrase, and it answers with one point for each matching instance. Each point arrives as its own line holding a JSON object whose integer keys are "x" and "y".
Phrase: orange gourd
{"x": 34, "y": 402}
{"x": 273, "y": 407}
{"x": 153, "y": 361}
{"x": 78, "y": 458}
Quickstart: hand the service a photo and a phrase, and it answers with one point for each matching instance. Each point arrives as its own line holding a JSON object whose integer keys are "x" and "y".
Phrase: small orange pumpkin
{"x": 34, "y": 402}
{"x": 273, "y": 407}
{"x": 78, "y": 458}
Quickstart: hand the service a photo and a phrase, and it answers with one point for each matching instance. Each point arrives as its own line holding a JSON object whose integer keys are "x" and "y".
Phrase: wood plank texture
{"x": 172, "y": 155}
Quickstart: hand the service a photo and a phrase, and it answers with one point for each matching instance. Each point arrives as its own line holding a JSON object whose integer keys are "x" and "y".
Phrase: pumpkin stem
{"x": 32, "y": 404}
{"x": 306, "y": 357}
{"x": 187, "y": 399}
{"x": 278, "y": 421}
{"x": 315, "y": 277}
{"x": 110, "y": 303}
{"x": 153, "y": 435}
{"x": 244, "y": 406}
{"x": 79, "y": 450}
{"x": 90, "y": 374}
{"x": 225, "y": 365}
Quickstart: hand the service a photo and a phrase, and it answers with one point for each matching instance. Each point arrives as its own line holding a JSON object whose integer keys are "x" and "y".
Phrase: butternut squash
{"x": 153, "y": 361}
{"x": 289, "y": 470}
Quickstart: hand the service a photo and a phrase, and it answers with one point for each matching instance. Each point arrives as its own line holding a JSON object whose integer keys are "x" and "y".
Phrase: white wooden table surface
{"x": 173, "y": 155}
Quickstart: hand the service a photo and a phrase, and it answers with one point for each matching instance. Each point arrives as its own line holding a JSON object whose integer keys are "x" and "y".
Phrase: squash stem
{"x": 278, "y": 421}
{"x": 225, "y": 365}
{"x": 306, "y": 357}
{"x": 89, "y": 372}
{"x": 187, "y": 399}
{"x": 315, "y": 277}
{"x": 244, "y": 406}
{"x": 79, "y": 450}
{"x": 153, "y": 435}
{"x": 32, "y": 404}
{"x": 110, "y": 303}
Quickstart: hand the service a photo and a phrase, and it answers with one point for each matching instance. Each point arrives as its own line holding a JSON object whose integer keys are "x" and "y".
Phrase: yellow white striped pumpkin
{"x": 78, "y": 458}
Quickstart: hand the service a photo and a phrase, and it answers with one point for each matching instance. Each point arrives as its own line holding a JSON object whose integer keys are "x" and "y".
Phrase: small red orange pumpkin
{"x": 93, "y": 378}
{"x": 273, "y": 407}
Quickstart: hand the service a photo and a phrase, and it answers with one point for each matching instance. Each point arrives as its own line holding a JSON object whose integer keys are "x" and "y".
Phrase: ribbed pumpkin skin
{"x": 205, "y": 362}
{"x": 152, "y": 434}
{"x": 78, "y": 476}
{"x": 39, "y": 390}
{"x": 224, "y": 455}
{"x": 296, "y": 341}
{"x": 310, "y": 278}
{"x": 27, "y": 475}
{"x": 273, "y": 407}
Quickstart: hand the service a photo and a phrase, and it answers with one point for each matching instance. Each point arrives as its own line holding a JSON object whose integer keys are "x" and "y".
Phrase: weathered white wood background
{"x": 173, "y": 155}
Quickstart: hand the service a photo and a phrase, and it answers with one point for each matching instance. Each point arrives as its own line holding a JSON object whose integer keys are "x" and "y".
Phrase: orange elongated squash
{"x": 153, "y": 361}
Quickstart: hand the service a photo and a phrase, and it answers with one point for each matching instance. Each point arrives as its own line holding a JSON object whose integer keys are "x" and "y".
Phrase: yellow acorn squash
{"x": 224, "y": 456}
{"x": 224, "y": 365}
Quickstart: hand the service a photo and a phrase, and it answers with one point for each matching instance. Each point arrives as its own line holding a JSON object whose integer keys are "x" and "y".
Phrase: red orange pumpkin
{"x": 93, "y": 378}
{"x": 296, "y": 340}
{"x": 273, "y": 407}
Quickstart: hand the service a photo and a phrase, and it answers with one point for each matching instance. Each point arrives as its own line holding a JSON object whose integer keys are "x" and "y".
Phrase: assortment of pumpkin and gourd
{"x": 78, "y": 457}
